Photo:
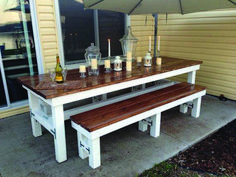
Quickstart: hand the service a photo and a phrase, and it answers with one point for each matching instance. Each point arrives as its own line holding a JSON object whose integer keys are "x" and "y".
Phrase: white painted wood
{"x": 156, "y": 125}
{"x": 113, "y": 127}
{"x": 85, "y": 108}
{"x": 81, "y": 143}
{"x": 192, "y": 77}
{"x": 183, "y": 108}
{"x": 59, "y": 130}
{"x": 36, "y": 126}
{"x": 114, "y": 87}
{"x": 56, "y": 126}
{"x": 44, "y": 120}
{"x": 142, "y": 126}
{"x": 94, "y": 137}
{"x": 94, "y": 156}
{"x": 59, "y": 32}
{"x": 196, "y": 107}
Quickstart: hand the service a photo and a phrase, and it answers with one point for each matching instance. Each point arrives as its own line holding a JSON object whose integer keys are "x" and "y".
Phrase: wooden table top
{"x": 104, "y": 79}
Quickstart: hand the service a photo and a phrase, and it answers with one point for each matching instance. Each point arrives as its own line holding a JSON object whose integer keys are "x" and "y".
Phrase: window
{"x": 17, "y": 56}
{"x": 79, "y": 29}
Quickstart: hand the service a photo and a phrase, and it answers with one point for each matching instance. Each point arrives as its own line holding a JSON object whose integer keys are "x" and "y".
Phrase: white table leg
{"x": 59, "y": 133}
{"x": 191, "y": 80}
{"x": 156, "y": 124}
{"x": 192, "y": 77}
{"x": 196, "y": 107}
{"x": 36, "y": 127}
{"x": 34, "y": 105}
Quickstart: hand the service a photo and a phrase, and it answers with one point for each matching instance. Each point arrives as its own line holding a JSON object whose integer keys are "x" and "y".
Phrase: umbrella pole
{"x": 155, "y": 36}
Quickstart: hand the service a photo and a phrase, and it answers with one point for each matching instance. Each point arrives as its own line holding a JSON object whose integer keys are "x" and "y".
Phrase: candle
{"x": 107, "y": 64}
{"x": 109, "y": 47}
{"x": 129, "y": 55}
{"x": 129, "y": 66}
{"x": 82, "y": 68}
{"x": 94, "y": 63}
{"x": 139, "y": 59}
{"x": 158, "y": 61}
{"x": 159, "y": 42}
{"x": 150, "y": 41}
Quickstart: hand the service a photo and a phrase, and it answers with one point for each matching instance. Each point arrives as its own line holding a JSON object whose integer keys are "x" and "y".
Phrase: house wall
{"x": 208, "y": 36}
{"x": 142, "y": 27}
{"x": 48, "y": 32}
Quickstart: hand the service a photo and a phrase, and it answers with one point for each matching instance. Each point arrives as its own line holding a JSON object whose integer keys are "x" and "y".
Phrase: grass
{"x": 166, "y": 169}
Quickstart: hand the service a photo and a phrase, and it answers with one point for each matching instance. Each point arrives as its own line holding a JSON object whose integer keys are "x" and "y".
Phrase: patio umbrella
{"x": 135, "y": 7}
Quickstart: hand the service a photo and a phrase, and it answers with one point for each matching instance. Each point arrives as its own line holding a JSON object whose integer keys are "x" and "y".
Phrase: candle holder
{"x": 128, "y": 65}
{"x": 107, "y": 65}
{"x": 117, "y": 64}
{"x": 82, "y": 74}
{"x": 93, "y": 57}
{"x": 82, "y": 70}
{"x": 139, "y": 61}
{"x": 148, "y": 60}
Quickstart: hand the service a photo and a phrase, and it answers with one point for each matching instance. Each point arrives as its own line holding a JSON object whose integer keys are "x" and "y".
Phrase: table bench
{"x": 145, "y": 109}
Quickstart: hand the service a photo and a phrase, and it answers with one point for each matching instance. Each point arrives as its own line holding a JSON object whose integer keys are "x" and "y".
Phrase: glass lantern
{"x": 93, "y": 58}
{"x": 117, "y": 64}
{"x": 128, "y": 44}
{"x": 148, "y": 60}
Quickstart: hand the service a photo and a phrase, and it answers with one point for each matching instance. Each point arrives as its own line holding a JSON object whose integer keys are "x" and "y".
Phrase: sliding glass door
{"x": 17, "y": 51}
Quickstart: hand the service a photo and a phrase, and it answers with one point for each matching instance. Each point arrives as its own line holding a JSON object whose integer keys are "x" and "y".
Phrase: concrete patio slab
{"x": 125, "y": 152}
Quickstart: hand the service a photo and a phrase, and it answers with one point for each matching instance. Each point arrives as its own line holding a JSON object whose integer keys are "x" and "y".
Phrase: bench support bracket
{"x": 154, "y": 122}
{"x": 89, "y": 148}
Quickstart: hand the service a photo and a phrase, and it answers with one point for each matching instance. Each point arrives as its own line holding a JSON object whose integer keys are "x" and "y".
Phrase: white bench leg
{"x": 183, "y": 108}
{"x": 81, "y": 145}
{"x": 94, "y": 154}
{"x": 196, "y": 107}
{"x": 142, "y": 126}
{"x": 156, "y": 124}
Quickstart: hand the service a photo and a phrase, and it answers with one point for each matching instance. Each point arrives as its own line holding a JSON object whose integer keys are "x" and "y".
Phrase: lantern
{"x": 117, "y": 64}
{"x": 93, "y": 58}
{"x": 128, "y": 44}
{"x": 148, "y": 60}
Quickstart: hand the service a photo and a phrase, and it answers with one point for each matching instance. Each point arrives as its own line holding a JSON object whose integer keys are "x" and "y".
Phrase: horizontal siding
{"x": 142, "y": 28}
{"x": 13, "y": 111}
{"x": 206, "y": 36}
{"x": 48, "y": 32}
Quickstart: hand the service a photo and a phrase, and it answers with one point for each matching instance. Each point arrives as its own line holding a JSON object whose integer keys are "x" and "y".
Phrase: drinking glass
{"x": 52, "y": 74}
{"x": 64, "y": 73}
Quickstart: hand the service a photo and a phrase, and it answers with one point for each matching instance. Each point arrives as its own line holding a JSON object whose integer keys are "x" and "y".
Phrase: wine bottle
{"x": 58, "y": 69}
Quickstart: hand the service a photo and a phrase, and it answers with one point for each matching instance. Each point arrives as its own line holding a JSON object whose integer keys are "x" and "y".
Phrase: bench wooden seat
{"x": 145, "y": 109}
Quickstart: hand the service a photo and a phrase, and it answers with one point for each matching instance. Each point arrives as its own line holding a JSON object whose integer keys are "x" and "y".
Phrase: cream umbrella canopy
{"x": 135, "y": 7}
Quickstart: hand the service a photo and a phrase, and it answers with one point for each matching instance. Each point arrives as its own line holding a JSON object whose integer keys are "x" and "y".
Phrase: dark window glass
{"x": 111, "y": 25}
{"x": 3, "y": 101}
{"x": 77, "y": 29}
{"x": 18, "y": 52}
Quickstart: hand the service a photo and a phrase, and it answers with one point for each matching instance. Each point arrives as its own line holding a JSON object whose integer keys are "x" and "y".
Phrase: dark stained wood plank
{"x": 105, "y": 79}
{"x": 106, "y": 118}
{"x": 128, "y": 102}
